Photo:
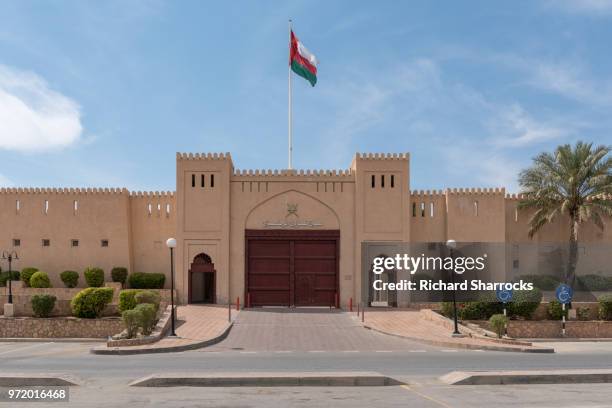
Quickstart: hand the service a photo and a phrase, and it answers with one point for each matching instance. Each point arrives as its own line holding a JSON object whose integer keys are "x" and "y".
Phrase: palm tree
{"x": 573, "y": 181}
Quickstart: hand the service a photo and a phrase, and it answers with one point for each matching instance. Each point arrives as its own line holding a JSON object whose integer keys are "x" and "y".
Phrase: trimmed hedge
{"x": 94, "y": 277}
{"x": 26, "y": 274}
{"x": 127, "y": 299}
{"x": 70, "y": 278}
{"x": 131, "y": 319}
{"x": 142, "y": 280}
{"x": 89, "y": 303}
{"x": 40, "y": 279}
{"x": 141, "y": 317}
{"x": 605, "y": 307}
{"x": 43, "y": 305}
{"x": 4, "y": 277}
{"x": 542, "y": 282}
{"x": 119, "y": 274}
{"x": 524, "y": 303}
{"x": 481, "y": 309}
{"x": 555, "y": 310}
{"x": 595, "y": 283}
{"x": 498, "y": 323}
{"x": 148, "y": 296}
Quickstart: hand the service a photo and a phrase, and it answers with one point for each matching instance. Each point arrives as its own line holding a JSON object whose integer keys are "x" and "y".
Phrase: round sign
{"x": 564, "y": 293}
{"x": 504, "y": 295}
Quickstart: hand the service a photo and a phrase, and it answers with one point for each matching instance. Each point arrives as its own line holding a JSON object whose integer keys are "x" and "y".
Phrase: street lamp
{"x": 171, "y": 243}
{"x": 452, "y": 244}
{"x": 9, "y": 256}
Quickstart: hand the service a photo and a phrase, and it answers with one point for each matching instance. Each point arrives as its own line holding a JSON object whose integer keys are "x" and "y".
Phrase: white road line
{"x": 383, "y": 351}
{"x": 316, "y": 351}
{"x": 350, "y": 351}
{"x": 248, "y": 352}
{"x": 482, "y": 351}
{"x": 26, "y": 348}
{"x": 283, "y": 351}
{"x": 449, "y": 351}
{"x": 417, "y": 351}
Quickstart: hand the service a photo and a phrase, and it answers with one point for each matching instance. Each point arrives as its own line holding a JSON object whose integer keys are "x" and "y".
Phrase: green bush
{"x": 43, "y": 305}
{"x": 70, "y": 278}
{"x": 542, "y": 282}
{"x": 94, "y": 277}
{"x": 119, "y": 274}
{"x": 595, "y": 283}
{"x": 583, "y": 313}
{"x": 498, "y": 323}
{"x": 142, "y": 280}
{"x": 127, "y": 299}
{"x": 26, "y": 274}
{"x": 89, "y": 303}
{"x": 447, "y": 309}
{"x": 486, "y": 306}
{"x": 131, "y": 319}
{"x": 148, "y": 296}
{"x": 605, "y": 307}
{"x": 524, "y": 303}
{"x": 4, "y": 277}
{"x": 555, "y": 310}
{"x": 147, "y": 315}
{"x": 40, "y": 280}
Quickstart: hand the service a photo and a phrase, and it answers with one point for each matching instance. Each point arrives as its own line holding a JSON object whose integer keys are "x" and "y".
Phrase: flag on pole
{"x": 302, "y": 61}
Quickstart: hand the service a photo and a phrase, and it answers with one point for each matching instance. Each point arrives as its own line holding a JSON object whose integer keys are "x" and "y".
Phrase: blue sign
{"x": 504, "y": 295}
{"x": 564, "y": 293}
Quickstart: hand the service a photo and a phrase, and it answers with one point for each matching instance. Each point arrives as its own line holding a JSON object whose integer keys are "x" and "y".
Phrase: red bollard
{"x": 238, "y": 303}
{"x": 350, "y": 304}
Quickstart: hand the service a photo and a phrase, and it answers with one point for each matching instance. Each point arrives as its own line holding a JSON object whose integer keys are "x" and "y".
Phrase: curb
{"x": 589, "y": 376}
{"x": 170, "y": 349}
{"x": 265, "y": 379}
{"x": 570, "y": 340}
{"x": 467, "y": 346}
{"x": 37, "y": 380}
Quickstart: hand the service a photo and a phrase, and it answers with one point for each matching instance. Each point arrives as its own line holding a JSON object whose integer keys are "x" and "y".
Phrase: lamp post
{"x": 452, "y": 244}
{"x": 171, "y": 243}
{"x": 9, "y": 256}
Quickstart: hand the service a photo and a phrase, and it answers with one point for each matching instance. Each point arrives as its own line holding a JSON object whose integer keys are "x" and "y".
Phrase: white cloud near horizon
{"x": 514, "y": 127}
{"x": 33, "y": 117}
{"x": 590, "y": 7}
{"x": 5, "y": 182}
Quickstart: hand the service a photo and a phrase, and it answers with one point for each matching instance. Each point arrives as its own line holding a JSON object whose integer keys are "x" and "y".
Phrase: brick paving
{"x": 306, "y": 329}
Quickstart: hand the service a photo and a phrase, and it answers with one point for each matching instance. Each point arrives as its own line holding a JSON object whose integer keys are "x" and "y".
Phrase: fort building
{"x": 282, "y": 237}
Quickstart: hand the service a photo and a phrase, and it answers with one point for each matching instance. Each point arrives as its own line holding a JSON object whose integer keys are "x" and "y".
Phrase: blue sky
{"x": 104, "y": 93}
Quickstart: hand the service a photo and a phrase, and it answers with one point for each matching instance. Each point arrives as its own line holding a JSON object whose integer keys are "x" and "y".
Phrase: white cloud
{"x": 590, "y": 7}
{"x": 5, "y": 182}
{"x": 514, "y": 127}
{"x": 34, "y": 117}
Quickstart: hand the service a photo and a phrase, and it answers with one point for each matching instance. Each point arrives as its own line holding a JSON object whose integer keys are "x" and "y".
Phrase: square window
{"x": 74, "y": 242}
{"x": 16, "y": 242}
{"x": 515, "y": 264}
{"x": 46, "y": 242}
{"x": 104, "y": 243}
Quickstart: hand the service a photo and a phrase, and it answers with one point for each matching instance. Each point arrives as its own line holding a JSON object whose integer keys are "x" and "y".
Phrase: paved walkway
{"x": 412, "y": 324}
{"x": 197, "y": 326}
{"x": 306, "y": 329}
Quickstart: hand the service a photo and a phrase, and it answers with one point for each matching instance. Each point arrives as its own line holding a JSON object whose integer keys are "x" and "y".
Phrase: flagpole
{"x": 290, "y": 107}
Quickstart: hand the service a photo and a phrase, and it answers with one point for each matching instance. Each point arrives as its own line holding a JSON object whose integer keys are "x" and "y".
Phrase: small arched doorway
{"x": 382, "y": 297}
{"x": 202, "y": 277}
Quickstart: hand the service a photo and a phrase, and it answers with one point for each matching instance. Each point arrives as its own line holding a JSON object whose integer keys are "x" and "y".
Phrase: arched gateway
{"x": 202, "y": 280}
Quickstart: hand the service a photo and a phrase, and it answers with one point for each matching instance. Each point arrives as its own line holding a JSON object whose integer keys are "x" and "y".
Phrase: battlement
{"x": 478, "y": 191}
{"x": 382, "y": 156}
{"x": 515, "y": 196}
{"x": 203, "y": 156}
{"x": 427, "y": 193}
{"x": 44, "y": 190}
{"x": 292, "y": 173}
{"x": 152, "y": 194}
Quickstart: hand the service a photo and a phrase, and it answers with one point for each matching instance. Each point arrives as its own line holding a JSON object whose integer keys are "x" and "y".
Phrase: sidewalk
{"x": 197, "y": 326}
{"x": 425, "y": 327}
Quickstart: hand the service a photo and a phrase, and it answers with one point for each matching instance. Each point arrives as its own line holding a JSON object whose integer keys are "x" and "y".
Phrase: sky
{"x": 104, "y": 93}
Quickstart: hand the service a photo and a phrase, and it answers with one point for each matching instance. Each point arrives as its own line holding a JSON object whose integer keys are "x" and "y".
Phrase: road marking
{"x": 417, "y": 351}
{"x": 449, "y": 351}
{"x": 383, "y": 351}
{"x": 427, "y": 397}
{"x": 350, "y": 351}
{"x": 26, "y": 348}
{"x": 283, "y": 351}
{"x": 248, "y": 352}
{"x": 481, "y": 350}
{"x": 316, "y": 351}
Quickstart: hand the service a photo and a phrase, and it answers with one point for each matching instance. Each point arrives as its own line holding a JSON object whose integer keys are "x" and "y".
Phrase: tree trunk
{"x": 570, "y": 273}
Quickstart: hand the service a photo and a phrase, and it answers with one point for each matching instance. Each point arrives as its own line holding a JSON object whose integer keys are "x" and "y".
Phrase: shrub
{"x": 146, "y": 313}
{"x": 605, "y": 307}
{"x": 4, "y": 277}
{"x": 447, "y": 309}
{"x": 555, "y": 310}
{"x": 595, "y": 283}
{"x": 43, "y": 305}
{"x": 583, "y": 313}
{"x": 94, "y": 277}
{"x": 127, "y": 299}
{"x": 486, "y": 306}
{"x": 70, "y": 278}
{"x": 148, "y": 296}
{"x": 119, "y": 274}
{"x": 131, "y": 318}
{"x": 142, "y": 280}
{"x": 26, "y": 274}
{"x": 40, "y": 280}
{"x": 89, "y": 303}
{"x": 498, "y": 323}
{"x": 542, "y": 282}
{"x": 524, "y": 303}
